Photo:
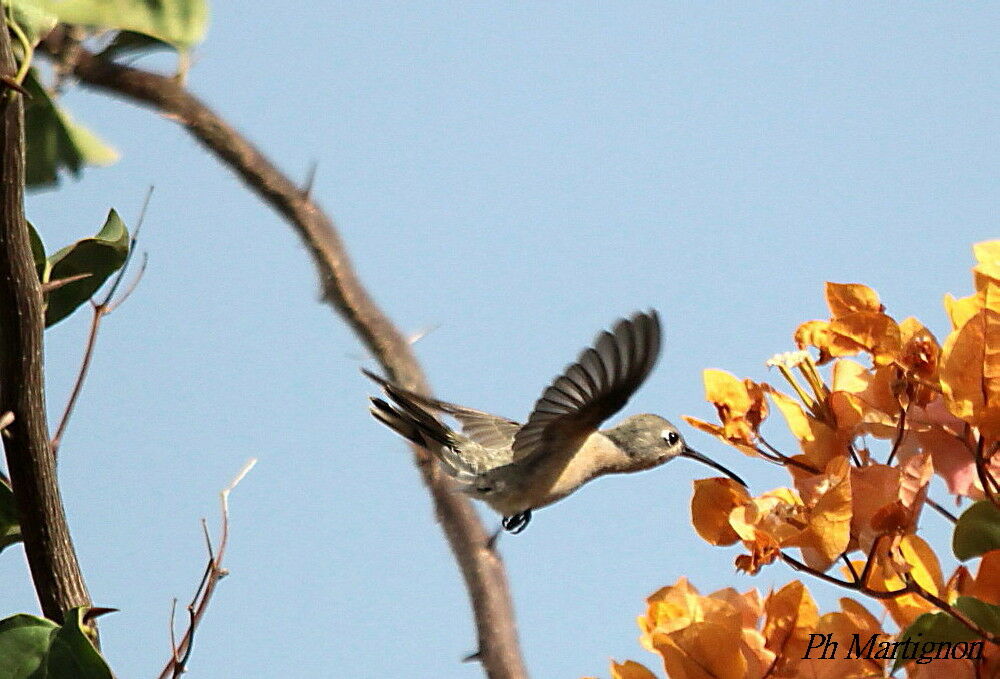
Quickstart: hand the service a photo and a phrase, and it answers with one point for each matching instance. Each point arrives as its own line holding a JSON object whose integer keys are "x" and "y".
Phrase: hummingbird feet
{"x": 515, "y": 523}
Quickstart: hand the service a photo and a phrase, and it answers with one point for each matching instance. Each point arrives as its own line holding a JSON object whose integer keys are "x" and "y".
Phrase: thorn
{"x": 96, "y": 612}
{"x": 473, "y": 657}
{"x": 492, "y": 542}
{"x": 420, "y": 334}
{"x": 12, "y": 84}
{"x": 307, "y": 186}
{"x": 56, "y": 284}
{"x": 6, "y": 419}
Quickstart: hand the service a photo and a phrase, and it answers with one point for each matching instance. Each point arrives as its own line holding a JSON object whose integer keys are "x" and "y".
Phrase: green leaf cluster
{"x": 95, "y": 259}
{"x": 37, "y": 648}
{"x": 54, "y": 141}
{"x": 943, "y": 626}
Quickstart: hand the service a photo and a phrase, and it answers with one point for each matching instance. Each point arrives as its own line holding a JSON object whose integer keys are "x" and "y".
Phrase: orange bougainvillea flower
{"x": 858, "y": 323}
{"x": 741, "y": 407}
{"x": 863, "y": 400}
{"x": 888, "y": 499}
{"x": 817, "y": 521}
{"x": 919, "y": 356}
{"x": 970, "y": 357}
{"x": 729, "y": 635}
{"x": 705, "y": 637}
{"x": 791, "y": 617}
{"x": 630, "y": 670}
{"x": 894, "y": 558}
{"x": 711, "y": 505}
{"x": 852, "y": 619}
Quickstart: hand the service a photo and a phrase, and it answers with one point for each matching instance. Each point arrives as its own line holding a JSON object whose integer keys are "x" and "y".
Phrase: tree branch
{"x": 54, "y": 568}
{"x": 481, "y": 567}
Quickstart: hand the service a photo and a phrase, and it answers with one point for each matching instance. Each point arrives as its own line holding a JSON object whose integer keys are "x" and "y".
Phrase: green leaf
{"x": 36, "y": 648}
{"x": 10, "y": 530}
{"x": 99, "y": 256}
{"x": 37, "y": 251}
{"x": 182, "y": 23}
{"x": 24, "y": 644}
{"x": 942, "y": 626}
{"x": 983, "y": 614}
{"x": 35, "y": 21}
{"x": 54, "y": 141}
{"x": 933, "y": 627}
{"x": 977, "y": 531}
{"x": 132, "y": 43}
{"x": 72, "y": 654}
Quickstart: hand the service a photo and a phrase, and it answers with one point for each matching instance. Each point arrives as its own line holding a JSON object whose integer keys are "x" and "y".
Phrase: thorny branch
{"x": 484, "y": 574}
{"x": 55, "y": 571}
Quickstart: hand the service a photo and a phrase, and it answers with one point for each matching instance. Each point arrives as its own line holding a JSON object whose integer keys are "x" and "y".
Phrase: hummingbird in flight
{"x": 517, "y": 468}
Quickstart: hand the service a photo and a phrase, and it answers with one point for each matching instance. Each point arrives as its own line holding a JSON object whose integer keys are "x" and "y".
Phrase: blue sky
{"x": 516, "y": 175}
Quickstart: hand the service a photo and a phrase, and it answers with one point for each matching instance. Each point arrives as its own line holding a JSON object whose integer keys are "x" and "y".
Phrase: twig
{"x": 131, "y": 250}
{"x": 101, "y": 309}
{"x": 481, "y": 568}
{"x": 952, "y": 611}
{"x": 173, "y": 639}
{"x": 852, "y": 451}
{"x": 55, "y": 570}
{"x": 779, "y": 457}
{"x": 989, "y": 484}
{"x": 213, "y": 573}
{"x": 850, "y": 566}
{"x": 900, "y": 432}
{"x": 81, "y": 375}
{"x": 941, "y": 510}
{"x": 860, "y": 585}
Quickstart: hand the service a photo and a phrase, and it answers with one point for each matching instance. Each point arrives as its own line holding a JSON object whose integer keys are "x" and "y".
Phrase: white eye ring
{"x": 670, "y": 436}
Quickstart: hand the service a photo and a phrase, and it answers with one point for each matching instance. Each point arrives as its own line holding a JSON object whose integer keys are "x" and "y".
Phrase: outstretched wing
{"x": 593, "y": 389}
{"x": 489, "y": 431}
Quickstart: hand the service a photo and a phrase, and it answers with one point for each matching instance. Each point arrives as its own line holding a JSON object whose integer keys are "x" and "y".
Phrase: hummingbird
{"x": 517, "y": 468}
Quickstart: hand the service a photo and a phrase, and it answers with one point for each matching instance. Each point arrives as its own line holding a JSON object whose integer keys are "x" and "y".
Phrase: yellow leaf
{"x": 705, "y": 650}
{"x": 970, "y": 372}
{"x": 988, "y": 267}
{"x": 986, "y": 586}
{"x": 869, "y": 331}
{"x": 741, "y": 407}
{"x": 875, "y": 487}
{"x": 987, "y": 252}
{"x": 845, "y": 298}
{"x": 923, "y": 562}
{"x": 791, "y": 615}
{"x": 904, "y": 608}
{"x": 961, "y": 310}
{"x": 830, "y": 518}
{"x": 815, "y": 334}
{"x": 630, "y": 670}
{"x": 795, "y": 416}
{"x": 818, "y": 441}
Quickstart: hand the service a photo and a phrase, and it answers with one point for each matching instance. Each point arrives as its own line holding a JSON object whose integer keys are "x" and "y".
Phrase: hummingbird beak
{"x": 695, "y": 455}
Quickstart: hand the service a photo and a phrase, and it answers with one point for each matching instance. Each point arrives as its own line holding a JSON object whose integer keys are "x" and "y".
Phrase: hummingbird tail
{"x": 411, "y": 422}
{"x": 409, "y": 418}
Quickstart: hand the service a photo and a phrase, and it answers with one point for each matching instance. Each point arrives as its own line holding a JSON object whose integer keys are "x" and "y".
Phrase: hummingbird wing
{"x": 489, "y": 431}
{"x": 591, "y": 390}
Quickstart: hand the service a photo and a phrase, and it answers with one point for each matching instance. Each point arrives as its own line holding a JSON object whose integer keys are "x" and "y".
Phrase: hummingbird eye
{"x": 671, "y": 437}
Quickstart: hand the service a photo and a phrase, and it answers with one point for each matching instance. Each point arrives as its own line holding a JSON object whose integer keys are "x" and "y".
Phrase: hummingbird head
{"x": 650, "y": 440}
